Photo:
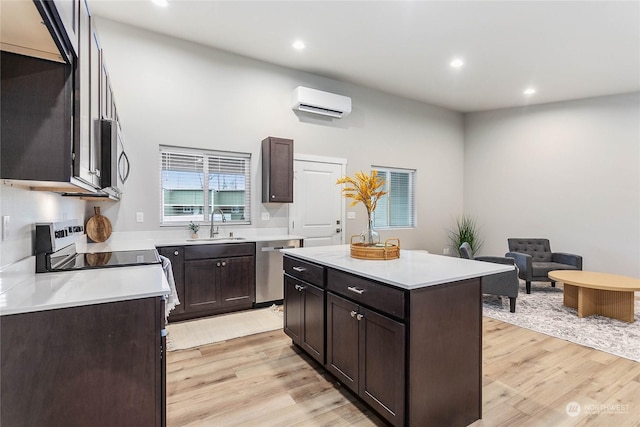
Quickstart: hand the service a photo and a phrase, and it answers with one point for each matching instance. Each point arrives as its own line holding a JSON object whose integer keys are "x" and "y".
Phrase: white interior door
{"x": 317, "y": 211}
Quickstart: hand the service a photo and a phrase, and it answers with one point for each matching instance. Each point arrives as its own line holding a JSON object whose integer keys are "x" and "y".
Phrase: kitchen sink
{"x": 217, "y": 239}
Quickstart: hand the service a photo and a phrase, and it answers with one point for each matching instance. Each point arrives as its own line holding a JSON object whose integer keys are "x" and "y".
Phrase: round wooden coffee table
{"x": 598, "y": 293}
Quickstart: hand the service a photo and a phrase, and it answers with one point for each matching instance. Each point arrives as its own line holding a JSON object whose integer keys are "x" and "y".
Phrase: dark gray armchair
{"x": 505, "y": 283}
{"x": 535, "y": 260}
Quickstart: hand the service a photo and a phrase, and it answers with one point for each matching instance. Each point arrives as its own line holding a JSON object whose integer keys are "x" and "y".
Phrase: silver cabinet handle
{"x": 359, "y": 316}
{"x": 218, "y": 265}
{"x": 224, "y": 263}
{"x": 356, "y": 290}
{"x": 353, "y": 314}
{"x": 299, "y": 269}
{"x": 176, "y": 253}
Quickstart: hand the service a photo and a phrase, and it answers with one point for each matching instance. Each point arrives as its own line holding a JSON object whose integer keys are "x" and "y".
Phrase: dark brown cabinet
{"x": 413, "y": 355}
{"x": 277, "y": 170}
{"x": 212, "y": 279}
{"x": 304, "y": 316}
{"x": 94, "y": 365}
{"x": 51, "y": 111}
{"x": 365, "y": 351}
{"x": 176, "y": 256}
{"x": 37, "y": 136}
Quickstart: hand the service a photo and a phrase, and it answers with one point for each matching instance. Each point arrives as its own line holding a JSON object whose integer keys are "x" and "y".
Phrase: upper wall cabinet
{"x": 277, "y": 170}
{"x": 51, "y": 111}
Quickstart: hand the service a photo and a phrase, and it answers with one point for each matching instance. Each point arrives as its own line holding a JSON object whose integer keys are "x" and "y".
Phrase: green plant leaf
{"x": 466, "y": 231}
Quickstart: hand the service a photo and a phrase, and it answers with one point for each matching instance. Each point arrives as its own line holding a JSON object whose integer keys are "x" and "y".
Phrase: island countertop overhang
{"x": 413, "y": 270}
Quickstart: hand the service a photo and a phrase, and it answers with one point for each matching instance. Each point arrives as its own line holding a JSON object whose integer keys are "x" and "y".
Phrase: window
{"x": 397, "y": 208}
{"x": 196, "y": 182}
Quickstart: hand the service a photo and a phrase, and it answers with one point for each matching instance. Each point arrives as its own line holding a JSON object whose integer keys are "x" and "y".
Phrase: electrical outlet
{"x": 351, "y": 215}
{"x": 266, "y": 216}
{"x": 5, "y": 227}
{"x": 139, "y": 216}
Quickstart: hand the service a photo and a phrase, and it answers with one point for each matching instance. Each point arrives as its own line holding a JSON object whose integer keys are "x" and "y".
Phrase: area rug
{"x": 195, "y": 333}
{"x": 542, "y": 311}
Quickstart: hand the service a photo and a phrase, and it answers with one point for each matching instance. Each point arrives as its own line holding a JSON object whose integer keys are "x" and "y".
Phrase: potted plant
{"x": 194, "y": 229}
{"x": 466, "y": 231}
{"x": 366, "y": 190}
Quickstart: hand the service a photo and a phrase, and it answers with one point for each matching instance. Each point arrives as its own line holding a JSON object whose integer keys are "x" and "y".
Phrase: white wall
{"x": 568, "y": 171}
{"x": 174, "y": 92}
{"x": 24, "y": 209}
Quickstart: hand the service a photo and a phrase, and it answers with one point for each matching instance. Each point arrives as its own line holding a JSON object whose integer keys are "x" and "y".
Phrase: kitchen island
{"x": 403, "y": 335}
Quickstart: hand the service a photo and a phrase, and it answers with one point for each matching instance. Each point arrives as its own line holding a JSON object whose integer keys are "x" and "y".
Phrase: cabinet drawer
{"x": 375, "y": 295}
{"x": 306, "y": 271}
{"x": 219, "y": 250}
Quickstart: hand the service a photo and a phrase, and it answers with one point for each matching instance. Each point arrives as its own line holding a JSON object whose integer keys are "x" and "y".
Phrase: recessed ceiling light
{"x": 456, "y": 63}
{"x": 161, "y": 3}
{"x": 529, "y": 91}
{"x": 299, "y": 45}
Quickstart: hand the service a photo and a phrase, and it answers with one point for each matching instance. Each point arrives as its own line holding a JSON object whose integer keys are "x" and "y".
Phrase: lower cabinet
{"x": 366, "y": 352}
{"x": 94, "y": 365}
{"x": 412, "y": 355}
{"x": 304, "y": 316}
{"x": 219, "y": 283}
{"x": 212, "y": 279}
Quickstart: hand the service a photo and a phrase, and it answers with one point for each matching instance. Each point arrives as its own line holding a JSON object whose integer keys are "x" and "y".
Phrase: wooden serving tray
{"x": 381, "y": 251}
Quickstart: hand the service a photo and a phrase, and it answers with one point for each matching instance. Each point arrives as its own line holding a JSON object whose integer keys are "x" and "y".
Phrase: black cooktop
{"x": 106, "y": 260}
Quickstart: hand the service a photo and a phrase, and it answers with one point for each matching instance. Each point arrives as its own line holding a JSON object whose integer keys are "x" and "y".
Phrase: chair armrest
{"x": 523, "y": 262}
{"x": 496, "y": 259}
{"x": 565, "y": 258}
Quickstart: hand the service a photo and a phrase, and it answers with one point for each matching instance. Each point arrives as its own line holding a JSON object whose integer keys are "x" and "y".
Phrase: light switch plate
{"x": 139, "y": 216}
{"x": 266, "y": 216}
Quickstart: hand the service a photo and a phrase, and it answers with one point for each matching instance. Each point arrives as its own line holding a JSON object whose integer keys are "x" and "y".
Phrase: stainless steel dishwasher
{"x": 269, "y": 281}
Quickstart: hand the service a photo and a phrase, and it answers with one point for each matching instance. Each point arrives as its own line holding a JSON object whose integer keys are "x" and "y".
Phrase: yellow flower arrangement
{"x": 364, "y": 188}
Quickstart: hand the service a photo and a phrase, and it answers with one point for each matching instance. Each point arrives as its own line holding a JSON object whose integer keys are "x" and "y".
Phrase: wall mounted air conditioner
{"x": 319, "y": 102}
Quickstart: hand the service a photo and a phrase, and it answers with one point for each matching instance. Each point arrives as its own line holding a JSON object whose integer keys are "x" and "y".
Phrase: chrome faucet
{"x": 214, "y": 230}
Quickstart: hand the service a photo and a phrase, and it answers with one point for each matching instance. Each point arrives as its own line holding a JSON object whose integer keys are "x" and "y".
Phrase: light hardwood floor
{"x": 528, "y": 380}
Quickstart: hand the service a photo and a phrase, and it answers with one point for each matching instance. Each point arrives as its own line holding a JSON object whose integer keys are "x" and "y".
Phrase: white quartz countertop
{"x": 48, "y": 291}
{"x": 23, "y": 291}
{"x": 127, "y": 243}
{"x": 413, "y": 270}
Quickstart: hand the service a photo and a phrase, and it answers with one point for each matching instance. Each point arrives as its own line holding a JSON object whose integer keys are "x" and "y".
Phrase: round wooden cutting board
{"x": 98, "y": 227}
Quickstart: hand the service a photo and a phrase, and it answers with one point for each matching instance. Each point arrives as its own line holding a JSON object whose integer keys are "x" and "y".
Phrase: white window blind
{"x": 196, "y": 182}
{"x": 397, "y": 208}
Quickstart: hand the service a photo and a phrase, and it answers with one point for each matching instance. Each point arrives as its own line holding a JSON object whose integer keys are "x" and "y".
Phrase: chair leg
{"x": 512, "y": 304}
{"x": 553, "y": 284}
{"x": 528, "y": 286}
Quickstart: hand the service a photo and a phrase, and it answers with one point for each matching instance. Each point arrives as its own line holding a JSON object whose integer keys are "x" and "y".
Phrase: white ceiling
{"x": 565, "y": 49}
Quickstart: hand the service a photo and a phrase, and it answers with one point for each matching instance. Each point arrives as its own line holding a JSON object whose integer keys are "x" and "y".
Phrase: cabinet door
{"x": 382, "y": 364}
{"x": 313, "y": 322}
{"x": 95, "y": 134}
{"x": 201, "y": 291}
{"x": 237, "y": 281}
{"x": 176, "y": 255}
{"x": 293, "y": 309}
{"x": 95, "y": 365}
{"x": 81, "y": 165}
{"x": 277, "y": 170}
{"x": 342, "y": 340}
